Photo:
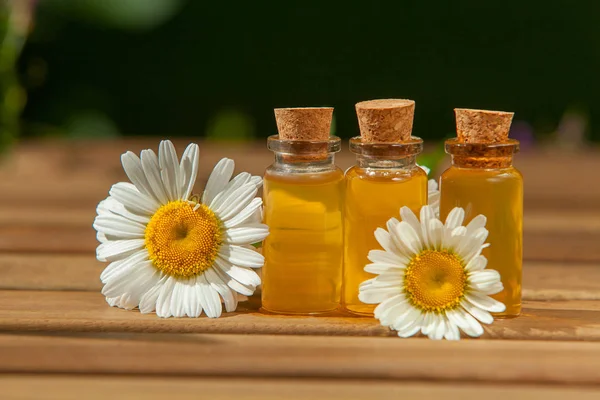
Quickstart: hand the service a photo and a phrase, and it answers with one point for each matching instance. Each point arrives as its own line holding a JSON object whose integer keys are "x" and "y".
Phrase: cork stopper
{"x": 482, "y": 126}
{"x": 304, "y": 124}
{"x": 386, "y": 120}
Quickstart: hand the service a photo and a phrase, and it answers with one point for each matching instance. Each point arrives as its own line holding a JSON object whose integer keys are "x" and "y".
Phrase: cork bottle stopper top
{"x": 387, "y": 120}
{"x": 482, "y": 126}
{"x": 304, "y": 124}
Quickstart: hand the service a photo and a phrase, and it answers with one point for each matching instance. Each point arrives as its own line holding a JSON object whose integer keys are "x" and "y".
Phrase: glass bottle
{"x": 303, "y": 204}
{"x": 482, "y": 180}
{"x": 384, "y": 179}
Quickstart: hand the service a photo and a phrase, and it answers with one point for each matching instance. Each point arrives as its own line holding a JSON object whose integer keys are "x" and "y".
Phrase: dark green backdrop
{"x": 537, "y": 58}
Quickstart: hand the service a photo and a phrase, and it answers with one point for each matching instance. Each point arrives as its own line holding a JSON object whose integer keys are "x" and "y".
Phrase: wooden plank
{"x": 76, "y": 387}
{"x": 27, "y": 271}
{"x": 45, "y": 311}
{"x": 50, "y": 271}
{"x": 62, "y": 170}
{"x": 574, "y": 363}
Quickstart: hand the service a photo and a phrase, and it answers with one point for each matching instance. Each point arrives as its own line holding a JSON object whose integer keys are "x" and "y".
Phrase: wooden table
{"x": 59, "y": 339}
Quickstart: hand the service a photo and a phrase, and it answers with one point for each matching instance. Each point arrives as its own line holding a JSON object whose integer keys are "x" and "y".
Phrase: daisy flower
{"x": 173, "y": 252}
{"x": 433, "y": 194}
{"x": 431, "y": 276}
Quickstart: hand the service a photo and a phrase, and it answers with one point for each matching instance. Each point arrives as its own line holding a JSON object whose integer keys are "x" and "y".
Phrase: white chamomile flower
{"x": 432, "y": 276}
{"x": 433, "y": 194}
{"x": 173, "y": 252}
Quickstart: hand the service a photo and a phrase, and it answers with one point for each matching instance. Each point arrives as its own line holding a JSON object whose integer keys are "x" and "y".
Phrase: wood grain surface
{"x": 59, "y": 339}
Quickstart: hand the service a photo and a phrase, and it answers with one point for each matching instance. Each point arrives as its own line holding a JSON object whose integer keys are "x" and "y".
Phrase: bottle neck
{"x": 482, "y": 155}
{"x": 386, "y": 156}
{"x": 371, "y": 162}
{"x": 304, "y": 163}
{"x": 482, "y": 162}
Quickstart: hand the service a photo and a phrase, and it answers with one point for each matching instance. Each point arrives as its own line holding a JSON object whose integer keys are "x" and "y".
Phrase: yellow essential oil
{"x": 482, "y": 180}
{"x": 385, "y": 179}
{"x": 305, "y": 245}
{"x": 373, "y": 196}
{"x": 497, "y": 194}
{"x": 303, "y": 205}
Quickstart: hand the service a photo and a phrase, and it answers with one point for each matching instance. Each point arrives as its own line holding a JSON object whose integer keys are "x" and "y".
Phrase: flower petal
{"x": 485, "y": 302}
{"x": 188, "y": 170}
{"x": 169, "y": 169}
{"x": 409, "y": 217}
{"x": 384, "y": 257}
{"x": 132, "y": 199}
{"x": 455, "y": 218}
{"x": 476, "y": 264}
{"x": 482, "y": 315}
{"x": 119, "y": 227}
{"x": 209, "y": 298}
{"x": 244, "y": 215}
{"x": 221, "y": 287}
{"x": 218, "y": 179}
{"x": 133, "y": 168}
{"x": 117, "y": 249}
{"x": 234, "y": 202}
{"x": 247, "y": 234}
{"x": 241, "y": 256}
{"x": 245, "y": 276}
{"x": 152, "y": 172}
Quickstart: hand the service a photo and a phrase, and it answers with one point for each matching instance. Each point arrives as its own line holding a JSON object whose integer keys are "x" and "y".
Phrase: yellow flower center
{"x": 182, "y": 242}
{"x": 435, "y": 280}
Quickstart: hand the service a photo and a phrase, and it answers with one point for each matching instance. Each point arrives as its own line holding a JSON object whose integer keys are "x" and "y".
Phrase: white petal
{"x": 482, "y": 315}
{"x": 244, "y": 214}
{"x": 119, "y": 227}
{"x": 391, "y": 224}
{"x": 163, "y": 303}
{"x": 209, "y": 298}
{"x": 384, "y": 257}
{"x": 476, "y": 264}
{"x": 132, "y": 199}
{"x": 436, "y": 229}
{"x": 407, "y": 239}
{"x": 471, "y": 245}
{"x": 115, "y": 250}
{"x": 177, "y": 307}
{"x": 465, "y": 322}
{"x": 221, "y": 287}
{"x": 133, "y": 168}
{"x": 432, "y": 185}
{"x": 476, "y": 223}
{"x": 241, "y": 256}
{"x": 409, "y": 217}
{"x": 257, "y": 181}
{"x": 380, "y": 268}
{"x": 152, "y": 172}
{"x": 376, "y": 296}
{"x": 455, "y": 218}
{"x": 191, "y": 302}
{"x": 452, "y": 332}
{"x": 245, "y": 276}
{"x": 426, "y": 216}
{"x": 188, "y": 170}
{"x": 218, "y": 179}
{"x": 485, "y": 276}
{"x": 235, "y": 202}
{"x": 485, "y": 302}
{"x": 488, "y": 288}
{"x": 113, "y": 206}
{"x": 117, "y": 267}
{"x": 237, "y": 182}
{"x": 247, "y": 234}
{"x": 453, "y": 237}
{"x": 148, "y": 300}
{"x": 385, "y": 240}
{"x": 234, "y": 285}
{"x": 384, "y": 306}
{"x": 169, "y": 169}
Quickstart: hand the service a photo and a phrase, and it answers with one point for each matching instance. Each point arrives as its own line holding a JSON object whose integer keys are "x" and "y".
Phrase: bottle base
{"x": 319, "y": 313}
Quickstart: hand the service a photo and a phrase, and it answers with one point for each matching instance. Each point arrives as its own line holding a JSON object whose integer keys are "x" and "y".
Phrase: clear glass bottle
{"x": 482, "y": 180}
{"x": 303, "y": 205}
{"x": 384, "y": 179}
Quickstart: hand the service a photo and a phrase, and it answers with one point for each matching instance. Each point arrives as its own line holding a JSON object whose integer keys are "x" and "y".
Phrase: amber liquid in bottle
{"x": 376, "y": 189}
{"x": 303, "y": 205}
{"x": 492, "y": 187}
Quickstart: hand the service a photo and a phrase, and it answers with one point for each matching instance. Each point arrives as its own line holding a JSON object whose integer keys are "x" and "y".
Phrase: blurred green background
{"x": 108, "y": 68}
